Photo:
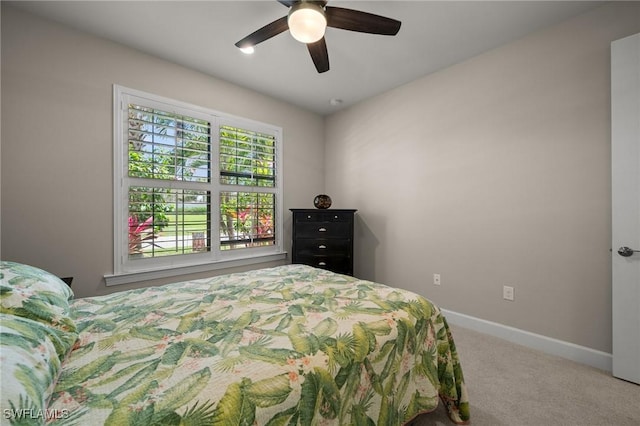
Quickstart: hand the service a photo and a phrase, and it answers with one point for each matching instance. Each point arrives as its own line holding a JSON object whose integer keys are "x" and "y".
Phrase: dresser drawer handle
{"x": 322, "y": 230}
{"x": 322, "y": 263}
{"x": 322, "y": 246}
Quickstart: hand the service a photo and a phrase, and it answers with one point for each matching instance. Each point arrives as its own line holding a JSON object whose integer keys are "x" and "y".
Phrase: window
{"x": 247, "y": 159}
{"x": 193, "y": 187}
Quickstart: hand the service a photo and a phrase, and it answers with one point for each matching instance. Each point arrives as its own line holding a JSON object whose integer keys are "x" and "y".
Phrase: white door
{"x": 625, "y": 158}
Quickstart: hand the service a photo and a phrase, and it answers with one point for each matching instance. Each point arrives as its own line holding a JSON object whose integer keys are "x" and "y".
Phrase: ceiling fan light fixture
{"x": 307, "y": 22}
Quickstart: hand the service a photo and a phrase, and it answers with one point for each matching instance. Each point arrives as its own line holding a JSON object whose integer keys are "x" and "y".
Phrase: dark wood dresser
{"x": 324, "y": 239}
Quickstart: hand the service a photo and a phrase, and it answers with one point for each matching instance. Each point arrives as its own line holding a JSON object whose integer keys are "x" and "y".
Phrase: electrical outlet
{"x": 508, "y": 293}
{"x": 436, "y": 279}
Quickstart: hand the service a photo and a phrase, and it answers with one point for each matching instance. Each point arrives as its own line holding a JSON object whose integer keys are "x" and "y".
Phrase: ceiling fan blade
{"x": 319, "y": 54}
{"x": 290, "y": 3}
{"x": 355, "y": 20}
{"x": 270, "y": 30}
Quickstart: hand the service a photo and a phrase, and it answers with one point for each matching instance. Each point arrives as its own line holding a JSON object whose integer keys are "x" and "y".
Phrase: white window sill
{"x": 137, "y": 276}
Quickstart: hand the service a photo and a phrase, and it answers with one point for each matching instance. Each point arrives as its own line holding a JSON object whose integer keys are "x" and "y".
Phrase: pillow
{"x": 14, "y": 274}
{"x": 30, "y": 367}
{"x": 29, "y": 292}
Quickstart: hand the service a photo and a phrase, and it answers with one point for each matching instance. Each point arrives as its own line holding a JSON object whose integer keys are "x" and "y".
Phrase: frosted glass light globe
{"x": 307, "y": 22}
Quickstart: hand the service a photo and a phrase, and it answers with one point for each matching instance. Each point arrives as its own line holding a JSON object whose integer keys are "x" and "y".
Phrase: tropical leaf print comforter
{"x": 283, "y": 346}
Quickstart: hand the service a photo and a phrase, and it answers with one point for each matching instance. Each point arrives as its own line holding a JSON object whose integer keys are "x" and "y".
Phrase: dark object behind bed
{"x": 324, "y": 239}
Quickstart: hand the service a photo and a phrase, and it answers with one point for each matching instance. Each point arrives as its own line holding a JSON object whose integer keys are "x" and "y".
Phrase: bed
{"x": 280, "y": 346}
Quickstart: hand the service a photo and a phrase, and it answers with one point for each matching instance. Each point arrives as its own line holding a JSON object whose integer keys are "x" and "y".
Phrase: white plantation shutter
{"x": 170, "y": 154}
{"x": 248, "y": 173}
{"x": 247, "y": 158}
{"x": 180, "y": 143}
{"x": 192, "y": 186}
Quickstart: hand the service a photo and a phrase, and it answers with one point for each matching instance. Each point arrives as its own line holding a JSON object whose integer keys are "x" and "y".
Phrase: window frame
{"x": 131, "y": 270}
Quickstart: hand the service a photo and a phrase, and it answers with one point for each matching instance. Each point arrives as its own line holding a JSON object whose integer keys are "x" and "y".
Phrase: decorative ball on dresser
{"x": 322, "y": 201}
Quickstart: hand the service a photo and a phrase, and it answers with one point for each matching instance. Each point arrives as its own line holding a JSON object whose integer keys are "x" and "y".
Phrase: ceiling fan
{"x": 307, "y": 21}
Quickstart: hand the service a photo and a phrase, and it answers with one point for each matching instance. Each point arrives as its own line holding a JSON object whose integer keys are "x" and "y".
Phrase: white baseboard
{"x": 577, "y": 353}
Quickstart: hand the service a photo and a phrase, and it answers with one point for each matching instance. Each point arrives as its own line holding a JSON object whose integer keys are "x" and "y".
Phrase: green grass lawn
{"x": 188, "y": 223}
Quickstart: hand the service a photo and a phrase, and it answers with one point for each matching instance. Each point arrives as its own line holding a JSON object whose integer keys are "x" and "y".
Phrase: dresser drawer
{"x": 323, "y": 247}
{"x": 323, "y": 230}
{"x": 339, "y": 264}
{"x": 320, "y": 216}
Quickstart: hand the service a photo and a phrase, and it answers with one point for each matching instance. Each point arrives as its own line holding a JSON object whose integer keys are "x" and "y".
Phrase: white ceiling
{"x": 201, "y": 35}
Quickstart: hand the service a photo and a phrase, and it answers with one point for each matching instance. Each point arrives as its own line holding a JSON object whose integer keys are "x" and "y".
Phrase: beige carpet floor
{"x": 509, "y": 384}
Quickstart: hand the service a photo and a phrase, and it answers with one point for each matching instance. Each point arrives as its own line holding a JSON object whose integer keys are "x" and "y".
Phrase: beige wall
{"x": 493, "y": 172}
{"x": 57, "y": 208}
